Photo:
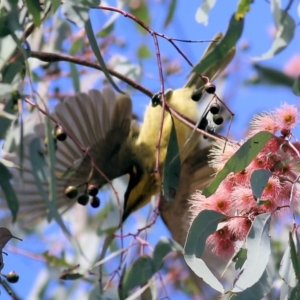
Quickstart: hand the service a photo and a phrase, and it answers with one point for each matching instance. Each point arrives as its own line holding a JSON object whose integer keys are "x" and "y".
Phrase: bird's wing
{"x": 100, "y": 123}
{"x": 195, "y": 175}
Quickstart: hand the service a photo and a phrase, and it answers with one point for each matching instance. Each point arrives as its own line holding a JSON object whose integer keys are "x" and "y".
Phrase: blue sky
{"x": 245, "y": 101}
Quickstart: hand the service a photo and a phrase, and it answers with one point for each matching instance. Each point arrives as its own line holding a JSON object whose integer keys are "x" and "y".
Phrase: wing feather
{"x": 101, "y": 123}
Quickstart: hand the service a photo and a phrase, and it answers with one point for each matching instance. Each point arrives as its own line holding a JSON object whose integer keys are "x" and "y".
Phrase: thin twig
{"x": 55, "y": 57}
{"x": 8, "y": 289}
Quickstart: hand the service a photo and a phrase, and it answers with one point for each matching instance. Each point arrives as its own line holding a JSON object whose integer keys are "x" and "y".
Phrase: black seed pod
{"x": 210, "y": 87}
{"x": 93, "y": 190}
{"x": 83, "y": 199}
{"x": 59, "y": 133}
{"x": 215, "y": 108}
{"x": 197, "y": 95}
{"x": 71, "y": 191}
{"x": 12, "y": 277}
{"x": 218, "y": 119}
{"x": 95, "y": 202}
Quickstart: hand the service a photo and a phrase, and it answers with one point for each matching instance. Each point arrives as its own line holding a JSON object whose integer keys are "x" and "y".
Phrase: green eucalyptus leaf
{"x": 162, "y": 248}
{"x": 138, "y": 274}
{"x": 258, "y": 253}
{"x": 172, "y": 168}
{"x": 258, "y": 181}
{"x": 243, "y": 8}
{"x": 271, "y": 76}
{"x": 223, "y": 48}
{"x": 95, "y": 48}
{"x": 203, "y": 225}
{"x": 240, "y": 160}
{"x": 35, "y": 10}
{"x": 141, "y": 11}
{"x": 285, "y": 26}
{"x": 171, "y": 12}
{"x": 296, "y": 86}
{"x": 10, "y": 195}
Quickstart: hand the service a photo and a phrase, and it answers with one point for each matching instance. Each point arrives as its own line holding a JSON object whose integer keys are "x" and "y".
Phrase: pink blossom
{"x": 287, "y": 118}
{"x": 239, "y": 227}
{"x": 221, "y": 244}
{"x": 242, "y": 199}
{"x": 272, "y": 189}
{"x": 241, "y": 178}
{"x": 220, "y": 154}
{"x": 198, "y": 203}
{"x": 219, "y": 202}
{"x": 263, "y": 122}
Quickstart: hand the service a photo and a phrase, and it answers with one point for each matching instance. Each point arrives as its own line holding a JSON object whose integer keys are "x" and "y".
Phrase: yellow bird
{"x": 103, "y": 139}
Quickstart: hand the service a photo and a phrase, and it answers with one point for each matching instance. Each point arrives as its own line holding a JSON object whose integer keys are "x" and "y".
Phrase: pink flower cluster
{"x": 234, "y": 196}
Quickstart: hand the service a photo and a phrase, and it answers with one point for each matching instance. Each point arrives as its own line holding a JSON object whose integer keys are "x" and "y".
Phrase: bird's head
{"x": 141, "y": 187}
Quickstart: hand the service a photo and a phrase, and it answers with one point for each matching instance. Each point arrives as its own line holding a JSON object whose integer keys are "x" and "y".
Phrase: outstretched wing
{"x": 99, "y": 127}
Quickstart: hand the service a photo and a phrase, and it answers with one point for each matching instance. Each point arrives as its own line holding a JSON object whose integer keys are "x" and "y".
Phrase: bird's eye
{"x": 156, "y": 99}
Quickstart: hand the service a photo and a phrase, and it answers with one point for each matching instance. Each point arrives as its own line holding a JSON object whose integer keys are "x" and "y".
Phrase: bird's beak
{"x": 130, "y": 200}
{"x": 141, "y": 188}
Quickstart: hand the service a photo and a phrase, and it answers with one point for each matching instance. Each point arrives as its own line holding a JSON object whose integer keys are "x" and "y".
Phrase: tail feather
{"x": 100, "y": 123}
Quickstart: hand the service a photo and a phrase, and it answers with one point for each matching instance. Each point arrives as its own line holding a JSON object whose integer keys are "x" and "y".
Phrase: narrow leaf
{"x": 107, "y": 258}
{"x": 39, "y": 167}
{"x": 35, "y": 10}
{"x": 55, "y": 5}
{"x": 143, "y": 266}
{"x": 51, "y": 199}
{"x": 294, "y": 256}
{"x": 171, "y": 12}
{"x": 95, "y": 48}
{"x": 141, "y": 11}
{"x": 71, "y": 276}
{"x": 296, "y": 86}
{"x": 222, "y": 49}
{"x": 286, "y": 270}
{"x": 285, "y": 26}
{"x": 106, "y": 30}
{"x": 143, "y": 52}
{"x": 259, "y": 180}
{"x": 271, "y": 76}
{"x": 77, "y": 13}
{"x": 258, "y": 252}
{"x": 240, "y": 160}
{"x": 260, "y": 289}
{"x": 10, "y": 195}
{"x": 162, "y": 248}
{"x": 56, "y": 261}
{"x": 172, "y": 167}
{"x": 75, "y": 77}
